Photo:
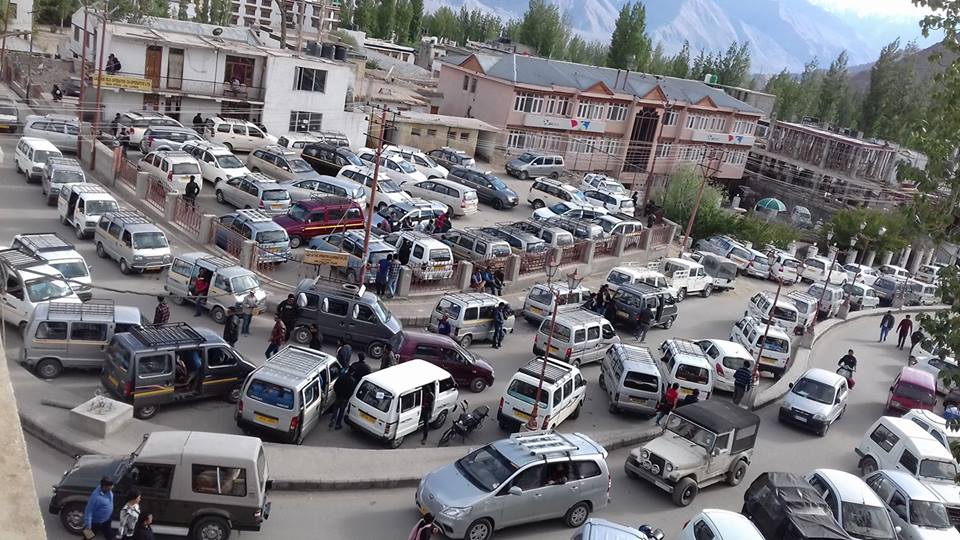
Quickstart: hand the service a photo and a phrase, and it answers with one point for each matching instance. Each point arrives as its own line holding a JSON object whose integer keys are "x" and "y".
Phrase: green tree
{"x": 809, "y": 88}
{"x": 580, "y": 51}
{"x": 182, "y": 6}
{"x": 659, "y": 63}
{"x": 219, "y": 13}
{"x": 832, "y": 89}
{"x": 401, "y": 21}
{"x": 51, "y": 11}
{"x": 346, "y": 14}
{"x": 442, "y": 23}
{"x": 416, "y": 21}
{"x": 386, "y": 11}
{"x": 893, "y": 98}
{"x": 202, "y": 12}
{"x": 544, "y": 29}
{"x": 704, "y": 64}
{"x": 679, "y": 200}
{"x": 365, "y": 16}
{"x": 848, "y": 108}
{"x": 680, "y": 64}
{"x": 629, "y": 43}
{"x": 787, "y": 89}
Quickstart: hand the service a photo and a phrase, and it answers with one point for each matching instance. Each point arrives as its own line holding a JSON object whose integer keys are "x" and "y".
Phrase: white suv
{"x": 418, "y": 159}
{"x": 135, "y": 123}
{"x": 388, "y": 191}
{"x": 392, "y": 165}
{"x": 217, "y": 162}
{"x": 236, "y": 135}
{"x": 546, "y": 192}
{"x": 173, "y": 169}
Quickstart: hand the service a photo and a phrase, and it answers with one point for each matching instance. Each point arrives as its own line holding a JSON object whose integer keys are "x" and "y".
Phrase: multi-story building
{"x": 632, "y": 125}
{"x": 19, "y": 17}
{"x": 182, "y": 68}
{"x": 318, "y": 15}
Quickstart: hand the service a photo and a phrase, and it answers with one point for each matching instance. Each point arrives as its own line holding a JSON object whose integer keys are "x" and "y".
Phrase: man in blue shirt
{"x": 742, "y": 381}
{"x": 96, "y": 516}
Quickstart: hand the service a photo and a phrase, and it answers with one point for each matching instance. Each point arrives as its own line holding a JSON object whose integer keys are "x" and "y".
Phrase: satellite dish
{"x": 217, "y": 31}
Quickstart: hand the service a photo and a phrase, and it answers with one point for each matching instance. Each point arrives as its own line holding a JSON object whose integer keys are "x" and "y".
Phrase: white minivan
{"x": 29, "y": 280}
{"x": 387, "y": 403}
{"x": 777, "y": 347}
{"x": 31, "y": 156}
{"x": 684, "y": 362}
{"x": 785, "y": 314}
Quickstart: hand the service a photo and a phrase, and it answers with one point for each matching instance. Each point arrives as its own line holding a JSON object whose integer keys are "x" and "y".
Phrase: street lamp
{"x": 572, "y": 282}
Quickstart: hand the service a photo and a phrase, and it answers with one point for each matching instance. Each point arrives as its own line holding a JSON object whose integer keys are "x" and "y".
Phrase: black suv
{"x": 328, "y": 159}
{"x": 490, "y": 189}
{"x": 630, "y": 299}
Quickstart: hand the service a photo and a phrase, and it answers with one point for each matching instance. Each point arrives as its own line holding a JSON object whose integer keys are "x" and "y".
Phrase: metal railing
{"x": 574, "y": 253}
{"x": 226, "y": 239}
{"x": 636, "y": 240}
{"x": 605, "y": 247}
{"x": 268, "y": 260}
{"x": 157, "y": 194}
{"x": 187, "y": 215}
{"x": 492, "y": 263}
{"x": 533, "y": 262}
{"x": 241, "y": 92}
{"x": 660, "y": 235}
{"x": 128, "y": 173}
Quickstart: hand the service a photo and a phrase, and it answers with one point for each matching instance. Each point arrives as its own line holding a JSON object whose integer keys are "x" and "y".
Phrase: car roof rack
{"x": 256, "y": 216}
{"x": 98, "y": 306}
{"x": 551, "y": 374}
{"x": 131, "y": 217}
{"x": 217, "y": 261}
{"x": 539, "y": 443}
{"x": 159, "y": 335}
{"x": 19, "y": 259}
{"x": 42, "y": 242}
{"x": 686, "y": 346}
{"x": 61, "y": 160}
{"x": 338, "y": 287}
{"x": 89, "y": 188}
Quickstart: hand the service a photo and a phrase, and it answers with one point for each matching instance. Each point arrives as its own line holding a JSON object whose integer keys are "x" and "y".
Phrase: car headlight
{"x": 668, "y": 467}
{"x": 819, "y": 417}
{"x": 644, "y": 454}
{"x": 456, "y": 512}
{"x": 167, "y": 258}
{"x": 138, "y": 257}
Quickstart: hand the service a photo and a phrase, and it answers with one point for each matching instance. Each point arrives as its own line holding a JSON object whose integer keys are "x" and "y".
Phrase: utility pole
{"x": 83, "y": 74}
{"x": 3, "y": 46}
{"x": 707, "y": 171}
{"x": 33, "y": 28}
{"x": 648, "y": 187}
{"x": 373, "y": 197}
{"x": 97, "y": 112}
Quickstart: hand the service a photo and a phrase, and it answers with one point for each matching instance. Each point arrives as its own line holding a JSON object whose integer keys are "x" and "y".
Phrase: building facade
{"x": 632, "y": 125}
{"x": 431, "y": 131}
{"x": 318, "y": 15}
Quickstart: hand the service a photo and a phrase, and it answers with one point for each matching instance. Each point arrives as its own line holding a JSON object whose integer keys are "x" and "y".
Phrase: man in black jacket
{"x": 231, "y": 327}
{"x": 191, "y": 191}
{"x": 342, "y": 389}
{"x": 288, "y": 310}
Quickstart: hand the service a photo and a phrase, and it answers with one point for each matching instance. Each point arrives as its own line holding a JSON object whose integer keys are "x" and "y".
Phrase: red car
{"x": 912, "y": 389}
{"x": 467, "y": 369}
{"x": 314, "y": 217}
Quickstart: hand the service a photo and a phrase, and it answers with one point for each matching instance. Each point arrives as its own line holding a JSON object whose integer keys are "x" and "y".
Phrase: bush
{"x": 680, "y": 197}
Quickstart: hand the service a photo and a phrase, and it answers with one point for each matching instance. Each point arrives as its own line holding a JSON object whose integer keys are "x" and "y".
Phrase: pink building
{"x": 601, "y": 119}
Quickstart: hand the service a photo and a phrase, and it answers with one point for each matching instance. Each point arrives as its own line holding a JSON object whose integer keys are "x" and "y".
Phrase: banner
{"x": 328, "y": 258}
{"x": 125, "y": 82}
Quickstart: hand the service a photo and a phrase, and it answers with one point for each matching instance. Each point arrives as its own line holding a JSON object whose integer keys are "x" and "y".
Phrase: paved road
{"x": 387, "y": 514}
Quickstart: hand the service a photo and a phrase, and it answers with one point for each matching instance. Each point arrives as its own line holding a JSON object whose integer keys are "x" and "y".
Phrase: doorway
{"x": 171, "y": 107}
{"x": 641, "y": 140}
{"x": 175, "y": 69}
{"x": 151, "y": 66}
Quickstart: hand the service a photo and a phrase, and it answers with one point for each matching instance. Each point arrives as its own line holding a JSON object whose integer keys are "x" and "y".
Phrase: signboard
{"x": 126, "y": 82}
{"x": 556, "y": 122}
{"x": 723, "y": 138}
{"x": 326, "y": 258}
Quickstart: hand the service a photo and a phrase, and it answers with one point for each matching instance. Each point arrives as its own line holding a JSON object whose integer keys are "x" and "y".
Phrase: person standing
{"x": 288, "y": 310}
{"x": 231, "y": 327}
{"x": 130, "y": 515}
{"x": 383, "y": 272}
{"x": 344, "y": 352}
{"x": 644, "y": 320}
{"x": 443, "y": 325}
{"x": 200, "y": 287}
{"x": 669, "y": 402}
{"x": 392, "y": 277}
{"x": 742, "y": 381}
{"x": 316, "y": 338}
{"x": 886, "y": 324}
{"x": 198, "y": 123}
{"x": 360, "y": 368}
{"x": 424, "y": 529}
{"x": 915, "y": 338}
{"x": 499, "y": 319}
{"x": 342, "y": 390}
{"x": 247, "y": 308}
{"x": 99, "y": 509}
{"x": 426, "y": 411}
{"x": 276, "y": 337}
{"x": 389, "y": 358}
{"x": 903, "y": 330}
{"x": 144, "y": 530}
{"x": 191, "y": 191}
{"x": 162, "y": 314}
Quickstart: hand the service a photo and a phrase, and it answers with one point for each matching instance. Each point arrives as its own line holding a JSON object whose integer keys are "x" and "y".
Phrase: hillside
{"x": 923, "y": 68}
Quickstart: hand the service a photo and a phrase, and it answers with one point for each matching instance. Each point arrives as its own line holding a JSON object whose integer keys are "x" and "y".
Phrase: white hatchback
{"x": 716, "y": 524}
{"x": 727, "y": 357}
{"x": 854, "y": 505}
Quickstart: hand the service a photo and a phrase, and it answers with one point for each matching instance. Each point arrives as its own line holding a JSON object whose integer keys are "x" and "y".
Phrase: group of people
{"x": 113, "y": 65}
{"x": 485, "y": 279}
{"x": 904, "y": 330}
{"x": 388, "y": 274}
{"x": 392, "y": 224}
{"x": 653, "y": 212}
{"x": 97, "y": 515}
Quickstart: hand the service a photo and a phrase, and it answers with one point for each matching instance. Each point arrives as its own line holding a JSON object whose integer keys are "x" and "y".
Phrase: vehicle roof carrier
{"x": 102, "y": 307}
{"x": 160, "y": 335}
{"x": 539, "y": 443}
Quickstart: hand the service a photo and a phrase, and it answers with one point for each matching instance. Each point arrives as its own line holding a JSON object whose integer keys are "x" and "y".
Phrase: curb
{"x": 51, "y": 438}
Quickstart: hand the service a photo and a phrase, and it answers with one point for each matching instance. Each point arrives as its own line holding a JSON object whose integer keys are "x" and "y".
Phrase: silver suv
{"x": 531, "y": 476}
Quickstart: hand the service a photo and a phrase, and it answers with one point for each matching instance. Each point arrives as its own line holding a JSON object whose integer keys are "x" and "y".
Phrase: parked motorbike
{"x": 467, "y": 423}
{"x": 847, "y": 374}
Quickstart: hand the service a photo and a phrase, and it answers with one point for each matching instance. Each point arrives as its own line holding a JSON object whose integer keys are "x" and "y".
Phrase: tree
{"x": 787, "y": 90}
{"x": 385, "y": 11}
{"x": 51, "y": 11}
{"x": 365, "y": 15}
{"x": 629, "y": 44}
{"x": 732, "y": 67}
{"x": 416, "y": 21}
{"x": 544, "y": 29}
{"x": 680, "y": 198}
{"x": 442, "y": 23}
{"x": 219, "y": 13}
{"x": 895, "y": 96}
{"x": 401, "y": 21}
{"x": 581, "y": 52}
{"x": 832, "y": 89}
{"x": 848, "y": 108}
{"x": 182, "y": 6}
{"x": 809, "y": 88}
{"x": 659, "y": 63}
{"x": 680, "y": 64}
{"x": 203, "y": 12}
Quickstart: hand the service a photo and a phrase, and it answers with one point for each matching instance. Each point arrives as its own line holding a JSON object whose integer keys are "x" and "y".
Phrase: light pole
{"x": 373, "y": 199}
{"x": 33, "y": 29}
{"x": 826, "y": 283}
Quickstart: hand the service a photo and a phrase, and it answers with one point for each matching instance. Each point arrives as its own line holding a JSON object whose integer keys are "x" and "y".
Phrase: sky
{"x": 886, "y": 8}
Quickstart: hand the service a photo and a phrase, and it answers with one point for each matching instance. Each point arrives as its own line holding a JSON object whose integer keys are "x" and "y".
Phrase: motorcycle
{"x": 847, "y": 373}
{"x": 467, "y": 423}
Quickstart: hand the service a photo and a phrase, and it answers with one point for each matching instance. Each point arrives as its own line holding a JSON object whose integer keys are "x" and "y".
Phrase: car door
{"x": 366, "y": 325}
{"x": 408, "y": 412}
{"x": 88, "y": 339}
{"x": 221, "y": 370}
{"x": 17, "y": 307}
{"x": 234, "y": 191}
{"x": 153, "y": 481}
{"x": 530, "y": 505}
{"x": 311, "y": 398}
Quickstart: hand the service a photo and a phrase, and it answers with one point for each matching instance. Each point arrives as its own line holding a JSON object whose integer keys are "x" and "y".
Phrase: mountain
{"x": 782, "y": 33}
{"x": 923, "y": 68}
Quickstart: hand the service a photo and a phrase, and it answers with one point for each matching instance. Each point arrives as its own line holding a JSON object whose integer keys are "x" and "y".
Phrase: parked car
{"x": 166, "y": 138}
{"x": 468, "y": 369}
{"x": 562, "y": 393}
{"x": 320, "y": 216}
{"x": 727, "y": 357}
{"x": 618, "y": 224}
{"x": 545, "y": 192}
{"x": 420, "y": 160}
{"x": 61, "y": 130}
{"x": 343, "y": 185}
{"x": 785, "y": 267}
{"x": 629, "y": 300}
{"x": 893, "y": 270}
{"x": 296, "y": 141}
{"x": 530, "y": 164}
{"x": 9, "y": 115}
{"x": 490, "y": 189}
{"x": 32, "y": 155}
{"x": 171, "y": 168}
{"x": 272, "y": 242}
{"x": 80, "y": 206}
{"x": 216, "y": 162}
{"x": 912, "y": 389}
{"x": 59, "y": 171}
{"x": 229, "y": 283}
{"x": 254, "y": 190}
{"x": 30, "y": 280}
{"x": 861, "y": 296}
{"x": 716, "y": 524}
{"x": 460, "y": 200}
{"x": 388, "y": 191}
{"x": 61, "y": 255}
{"x": 328, "y": 158}
{"x": 929, "y": 273}
{"x": 861, "y": 273}
{"x": 576, "y": 336}
{"x": 631, "y": 379}
{"x": 133, "y": 124}
{"x": 570, "y": 210}
{"x": 351, "y": 243}
{"x": 450, "y": 158}
{"x": 786, "y": 507}
{"x": 236, "y": 135}
{"x": 916, "y": 509}
{"x": 406, "y": 215}
{"x": 816, "y": 269}
{"x": 394, "y": 166}
{"x": 132, "y": 240}
{"x": 611, "y": 202}
{"x": 603, "y": 184}
{"x": 280, "y": 163}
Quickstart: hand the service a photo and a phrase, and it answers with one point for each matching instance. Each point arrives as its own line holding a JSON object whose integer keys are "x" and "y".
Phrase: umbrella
{"x": 772, "y": 204}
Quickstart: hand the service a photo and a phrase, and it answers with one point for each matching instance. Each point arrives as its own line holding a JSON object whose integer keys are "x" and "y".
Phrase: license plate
{"x": 685, "y": 392}
{"x": 367, "y": 417}
{"x": 521, "y": 415}
{"x": 767, "y": 361}
{"x": 4, "y": 126}
{"x": 800, "y": 418}
{"x": 553, "y": 349}
{"x": 623, "y": 314}
{"x": 264, "y": 419}
{"x": 536, "y": 310}
{"x": 276, "y": 206}
{"x": 273, "y": 250}
{"x": 637, "y": 400}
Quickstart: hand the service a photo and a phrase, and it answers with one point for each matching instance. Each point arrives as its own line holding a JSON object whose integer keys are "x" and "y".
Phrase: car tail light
{"x": 463, "y": 203}
{"x": 719, "y": 369}
{"x": 240, "y": 406}
{"x": 170, "y": 175}
{"x": 294, "y": 423}
{"x": 566, "y": 354}
{"x": 546, "y": 422}
{"x": 501, "y": 405}
{"x": 128, "y": 389}
{"x": 609, "y": 483}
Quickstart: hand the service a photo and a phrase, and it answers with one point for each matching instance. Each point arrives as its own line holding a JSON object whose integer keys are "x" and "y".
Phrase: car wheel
{"x": 233, "y": 396}
{"x": 822, "y": 432}
{"x": 71, "y": 517}
{"x": 497, "y": 204}
{"x": 681, "y": 294}
{"x": 441, "y": 419}
{"x": 669, "y": 322}
{"x": 613, "y": 408}
{"x": 576, "y": 412}
{"x": 577, "y": 515}
{"x": 867, "y": 465}
{"x": 555, "y": 175}
{"x": 102, "y": 253}
{"x": 685, "y": 492}
{"x": 211, "y": 528}
{"x": 537, "y": 204}
{"x": 79, "y": 233}
{"x": 295, "y": 242}
{"x": 395, "y": 443}
{"x": 481, "y": 529}
{"x": 228, "y": 146}
{"x": 466, "y": 340}
{"x": 376, "y": 349}
{"x": 477, "y": 385}
{"x": 450, "y": 213}
{"x": 146, "y": 412}
{"x": 736, "y": 474}
{"x": 220, "y": 197}
{"x": 707, "y": 291}
{"x": 218, "y": 315}
{"x": 49, "y": 368}
{"x": 603, "y": 382}
{"x": 301, "y": 335}
{"x": 524, "y": 175}
{"x": 124, "y": 267}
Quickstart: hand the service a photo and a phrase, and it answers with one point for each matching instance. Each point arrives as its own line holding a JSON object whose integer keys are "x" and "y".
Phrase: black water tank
{"x": 326, "y": 51}
{"x": 340, "y": 53}
{"x": 312, "y": 48}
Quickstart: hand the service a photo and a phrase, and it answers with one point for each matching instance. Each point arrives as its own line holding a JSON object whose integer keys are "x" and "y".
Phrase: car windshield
{"x": 186, "y": 168}
{"x": 690, "y": 431}
{"x": 271, "y": 394}
{"x": 867, "y": 522}
{"x": 40, "y": 156}
{"x": 388, "y": 186}
{"x": 941, "y": 470}
{"x": 381, "y": 310}
{"x": 71, "y": 269}
{"x": 163, "y": 122}
{"x": 241, "y": 284}
{"x": 500, "y": 250}
{"x": 450, "y": 308}
{"x": 541, "y": 296}
{"x": 774, "y": 344}
{"x": 496, "y": 182}
{"x": 8, "y": 111}
{"x": 229, "y": 161}
{"x": 693, "y": 374}
{"x": 149, "y": 240}
{"x": 405, "y": 166}
{"x": 784, "y": 314}
{"x": 374, "y": 396}
{"x": 929, "y": 514}
{"x": 351, "y": 158}
{"x": 526, "y": 157}
{"x": 579, "y": 197}
{"x": 526, "y": 392}
{"x": 298, "y": 165}
{"x": 791, "y": 263}
{"x": 98, "y": 208}
{"x": 275, "y": 195}
{"x": 814, "y": 390}
{"x": 272, "y": 236}
{"x": 67, "y": 176}
{"x": 560, "y": 331}
{"x": 298, "y": 213}
{"x": 44, "y": 289}
{"x": 177, "y": 136}
{"x": 486, "y": 468}
{"x": 559, "y": 208}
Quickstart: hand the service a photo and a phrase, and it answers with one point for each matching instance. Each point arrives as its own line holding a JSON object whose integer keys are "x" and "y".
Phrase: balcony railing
{"x": 227, "y": 90}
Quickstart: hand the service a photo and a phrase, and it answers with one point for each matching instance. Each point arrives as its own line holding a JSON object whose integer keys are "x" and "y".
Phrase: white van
{"x": 562, "y": 396}
{"x": 634, "y": 272}
{"x": 387, "y": 403}
{"x": 579, "y": 337}
{"x": 684, "y": 362}
{"x": 429, "y": 259}
{"x": 82, "y": 205}
{"x": 785, "y": 268}
{"x": 818, "y": 268}
{"x": 900, "y": 444}
{"x": 777, "y": 348}
{"x": 727, "y": 357}
{"x": 631, "y": 379}
{"x": 935, "y": 425}
{"x": 31, "y": 156}
{"x": 785, "y": 314}
{"x": 542, "y": 299}
{"x": 833, "y": 298}
{"x": 288, "y": 394}
{"x": 806, "y": 308}
{"x": 29, "y": 280}
{"x": 687, "y": 277}
{"x": 60, "y": 255}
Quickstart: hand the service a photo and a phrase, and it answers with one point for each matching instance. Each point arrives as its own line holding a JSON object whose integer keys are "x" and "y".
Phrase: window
{"x": 466, "y": 82}
{"x": 152, "y": 479}
{"x": 670, "y": 118}
{"x": 527, "y": 102}
{"x": 431, "y": 133}
{"x": 447, "y": 384}
{"x": 593, "y": 333}
{"x": 305, "y": 121}
{"x": 473, "y": 85}
{"x": 218, "y": 357}
{"x": 410, "y": 401}
{"x": 464, "y": 135}
{"x": 558, "y": 105}
{"x": 701, "y": 531}
{"x": 909, "y": 461}
{"x": 590, "y": 110}
{"x": 152, "y": 366}
{"x": 311, "y": 392}
{"x": 365, "y": 314}
{"x": 585, "y": 469}
{"x": 664, "y": 150}
{"x": 310, "y": 80}
{"x": 336, "y": 307}
{"x": 86, "y": 331}
{"x": 215, "y": 480}
{"x": 884, "y": 438}
{"x": 181, "y": 267}
{"x": 568, "y": 388}
{"x": 52, "y": 330}
{"x": 415, "y": 132}
{"x": 617, "y": 112}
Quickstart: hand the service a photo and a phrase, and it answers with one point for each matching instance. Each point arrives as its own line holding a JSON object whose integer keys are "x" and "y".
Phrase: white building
{"x": 182, "y": 68}
{"x": 19, "y": 20}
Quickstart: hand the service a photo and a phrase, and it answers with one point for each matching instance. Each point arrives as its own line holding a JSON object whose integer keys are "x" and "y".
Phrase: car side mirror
{"x": 514, "y": 490}
{"x": 302, "y": 300}
{"x": 715, "y": 452}
{"x": 790, "y": 385}
{"x": 837, "y": 401}
{"x": 891, "y": 389}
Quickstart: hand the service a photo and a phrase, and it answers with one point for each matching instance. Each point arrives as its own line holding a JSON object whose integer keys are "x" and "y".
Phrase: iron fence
{"x": 574, "y": 253}
{"x": 533, "y": 262}
{"x": 606, "y": 247}
{"x": 187, "y": 215}
{"x": 226, "y": 239}
{"x": 660, "y": 235}
{"x": 636, "y": 240}
{"x": 157, "y": 194}
{"x": 128, "y": 173}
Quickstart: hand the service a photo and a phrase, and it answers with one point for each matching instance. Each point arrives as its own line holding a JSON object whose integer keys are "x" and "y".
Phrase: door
{"x": 151, "y": 65}
{"x": 719, "y": 464}
{"x": 530, "y": 504}
{"x": 86, "y": 344}
{"x": 595, "y": 343}
{"x": 312, "y": 405}
{"x": 16, "y": 307}
{"x": 178, "y": 277}
{"x": 153, "y": 481}
{"x": 174, "y": 69}
{"x": 221, "y": 372}
{"x": 154, "y": 376}
{"x": 408, "y": 411}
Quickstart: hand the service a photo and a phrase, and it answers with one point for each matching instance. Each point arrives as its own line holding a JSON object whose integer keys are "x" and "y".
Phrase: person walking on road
{"x": 915, "y": 338}
{"x": 343, "y": 390}
{"x": 191, "y": 191}
{"x": 162, "y": 314}
{"x": 383, "y": 271}
{"x": 903, "y": 330}
{"x": 276, "y": 337}
{"x": 231, "y": 327}
{"x": 668, "y": 402}
{"x": 644, "y": 320}
{"x": 742, "y": 381}
{"x": 288, "y": 312}
{"x": 426, "y": 411}
{"x": 200, "y": 288}
{"x": 247, "y": 308}
{"x": 499, "y": 318}
{"x": 344, "y": 353}
{"x": 99, "y": 509}
{"x": 316, "y": 338}
{"x": 389, "y": 358}
{"x": 424, "y": 529}
{"x": 130, "y": 514}
{"x": 392, "y": 277}
{"x": 886, "y": 325}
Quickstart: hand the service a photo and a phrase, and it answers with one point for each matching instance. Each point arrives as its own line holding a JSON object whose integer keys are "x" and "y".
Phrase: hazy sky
{"x": 890, "y": 8}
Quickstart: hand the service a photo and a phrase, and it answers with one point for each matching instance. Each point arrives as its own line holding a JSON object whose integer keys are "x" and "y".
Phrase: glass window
{"x": 311, "y": 80}
{"x": 52, "y": 330}
{"x": 447, "y": 384}
{"x": 88, "y": 331}
{"x": 908, "y": 460}
{"x": 311, "y": 392}
{"x": 336, "y": 307}
{"x": 271, "y": 394}
{"x": 214, "y": 480}
{"x": 593, "y": 333}
{"x": 410, "y": 401}
{"x": 218, "y": 357}
{"x": 701, "y": 531}
{"x": 155, "y": 365}
{"x": 373, "y": 395}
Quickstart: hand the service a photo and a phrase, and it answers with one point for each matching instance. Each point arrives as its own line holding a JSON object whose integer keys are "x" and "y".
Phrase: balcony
{"x": 138, "y": 82}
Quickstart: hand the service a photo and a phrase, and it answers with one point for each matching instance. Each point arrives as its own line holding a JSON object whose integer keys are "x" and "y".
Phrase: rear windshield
{"x": 500, "y": 250}
{"x": 229, "y": 161}
{"x": 791, "y": 263}
{"x": 41, "y": 156}
{"x": 70, "y": 269}
{"x": 275, "y": 195}
{"x": 186, "y": 168}
{"x": 120, "y": 356}
{"x": 160, "y": 122}
{"x": 564, "y": 240}
{"x": 271, "y": 394}
{"x": 693, "y": 374}
{"x": 470, "y": 196}
{"x": 541, "y": 296}
{"x": 177, "y": 136}
{"x": 774, "y": 344}
{"x": 641, "y": 381}
{"x": 299, "y": 165}
{"x": 440, "y": 255}
{"x": 272, "y": 236}
{"x": 98, "y": 208}
{"x": 374, "y": 396}
{"x": 560, "y": 331}
{"x": 618, "y": 278}
{"x": 526, "y": 392}
{"x": 784, "y": 314}
{"x": 916, "y": 393}
{"x": 450, "y": 308}
{"x": 67, "y": 176}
